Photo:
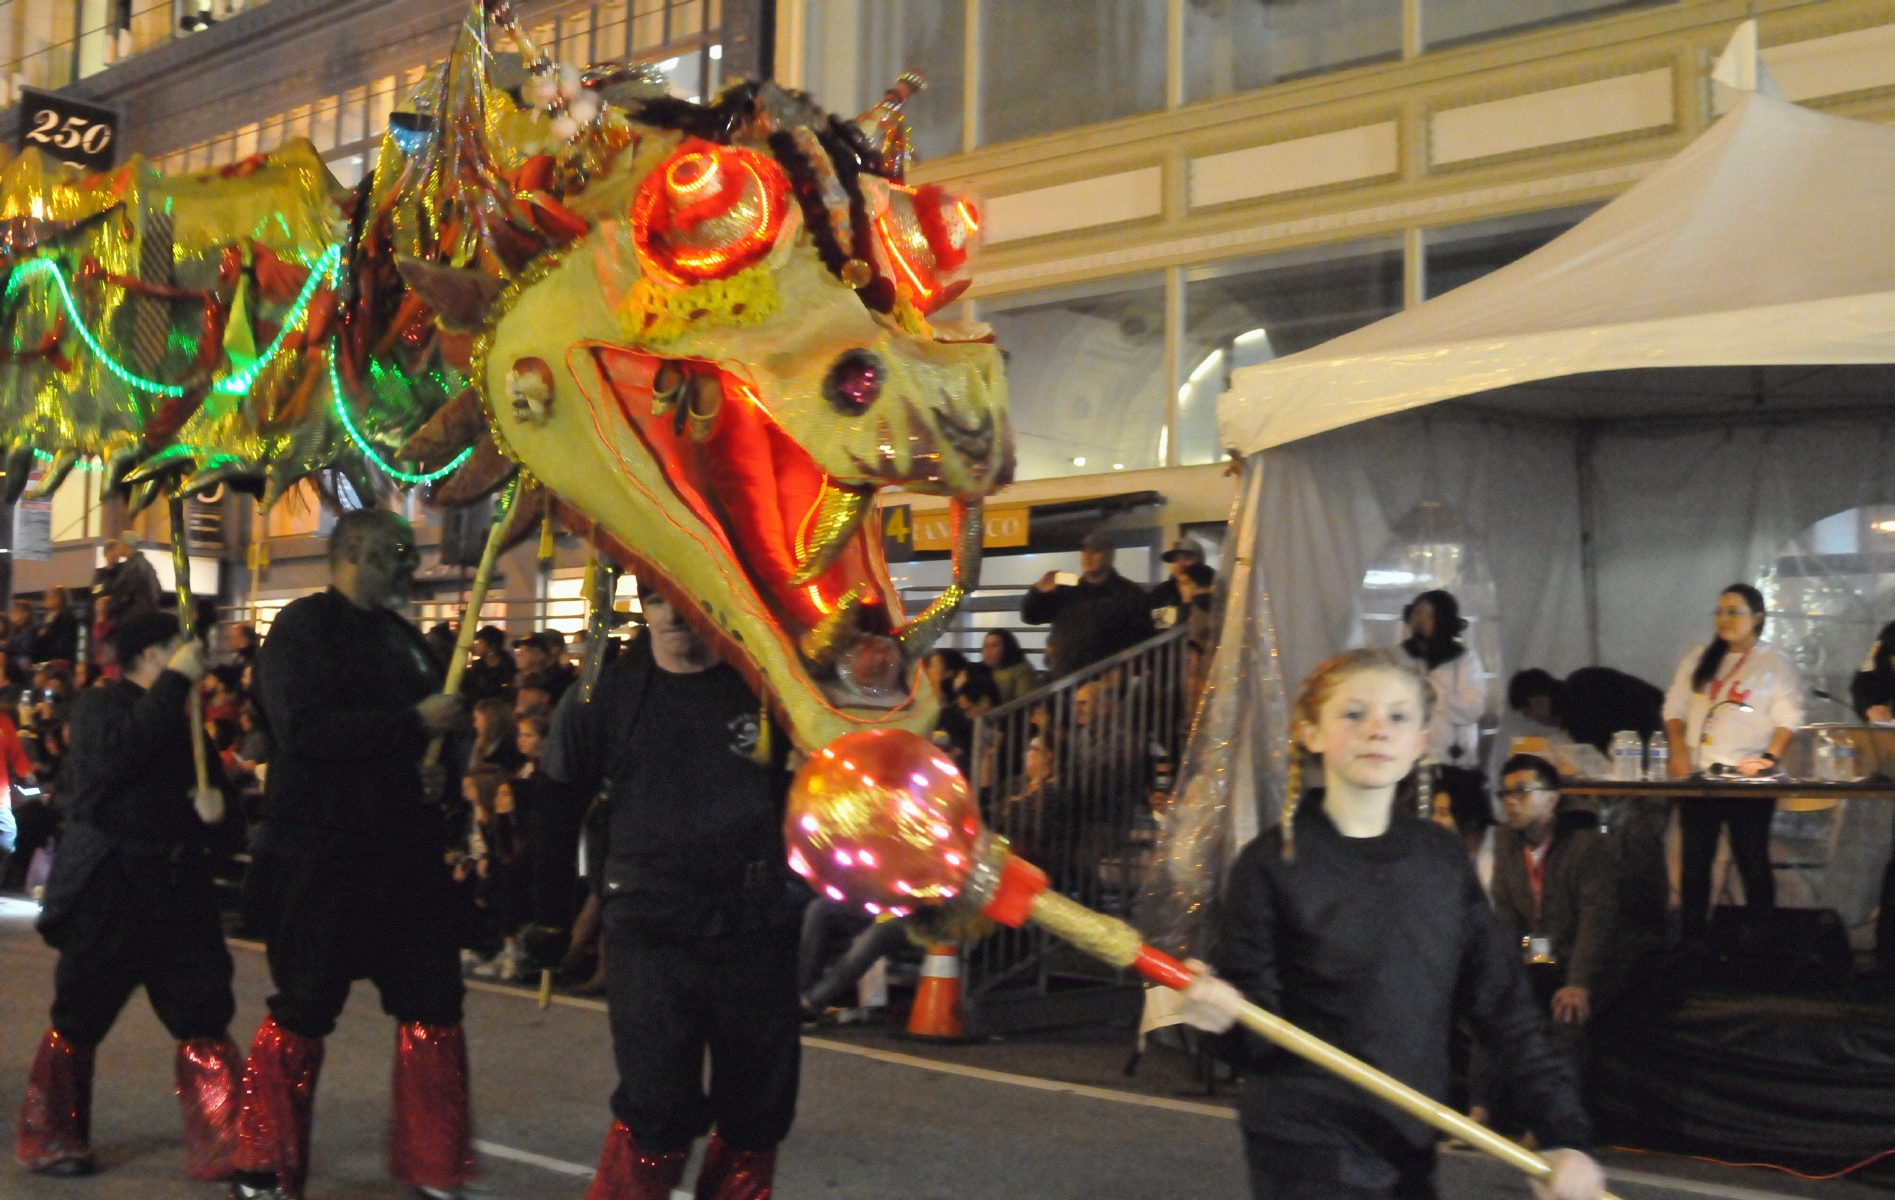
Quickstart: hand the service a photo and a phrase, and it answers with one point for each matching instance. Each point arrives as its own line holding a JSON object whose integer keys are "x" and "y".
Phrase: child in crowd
{"x": 1364, "y": 923}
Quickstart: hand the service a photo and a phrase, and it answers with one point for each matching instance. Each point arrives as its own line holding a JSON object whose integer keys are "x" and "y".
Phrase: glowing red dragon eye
{"x": 708, "y": 212}
{"x": 854, "y": 382}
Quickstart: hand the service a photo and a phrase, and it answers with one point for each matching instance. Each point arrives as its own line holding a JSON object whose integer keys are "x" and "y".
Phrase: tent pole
{"x": 1584, "y": 441}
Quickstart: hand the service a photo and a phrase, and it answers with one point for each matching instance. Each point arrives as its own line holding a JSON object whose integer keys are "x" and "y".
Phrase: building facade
{"x": 1171, "y": 188}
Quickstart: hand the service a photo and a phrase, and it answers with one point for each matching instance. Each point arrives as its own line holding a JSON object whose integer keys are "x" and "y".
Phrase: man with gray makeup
{"x": 352, "y": 859}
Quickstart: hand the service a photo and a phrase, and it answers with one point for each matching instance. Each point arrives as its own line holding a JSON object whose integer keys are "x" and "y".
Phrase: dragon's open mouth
{"x": 799, "y": 536}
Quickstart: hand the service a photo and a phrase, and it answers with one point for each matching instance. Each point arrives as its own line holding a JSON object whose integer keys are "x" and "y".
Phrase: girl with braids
{"x": 1363, "y": 923}
{"x": 1732, "y": 709}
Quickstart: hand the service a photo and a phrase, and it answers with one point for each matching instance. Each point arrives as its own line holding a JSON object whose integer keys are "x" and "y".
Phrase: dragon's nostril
{"x": 854, "y": 382}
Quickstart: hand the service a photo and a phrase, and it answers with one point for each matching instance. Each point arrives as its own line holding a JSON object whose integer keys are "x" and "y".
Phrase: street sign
{"x": 72, "y": 131}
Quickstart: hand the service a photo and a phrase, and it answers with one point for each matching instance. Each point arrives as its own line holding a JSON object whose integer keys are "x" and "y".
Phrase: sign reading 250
{"x": 85, "y": 135}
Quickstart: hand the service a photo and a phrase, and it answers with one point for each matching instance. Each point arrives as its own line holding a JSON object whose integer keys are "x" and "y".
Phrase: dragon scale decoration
{"x": 698, "y": 334}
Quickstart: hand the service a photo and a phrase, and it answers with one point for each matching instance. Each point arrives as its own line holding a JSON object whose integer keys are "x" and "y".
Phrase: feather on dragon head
{"x": 701, "y": 333}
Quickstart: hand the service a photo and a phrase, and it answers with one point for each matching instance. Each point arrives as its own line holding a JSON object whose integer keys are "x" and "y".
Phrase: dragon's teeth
{"x": 837, "y": 514}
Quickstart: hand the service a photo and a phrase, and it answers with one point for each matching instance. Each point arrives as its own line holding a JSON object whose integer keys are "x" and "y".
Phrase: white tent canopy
{"x": 1768, "y": 241}
{"x": 1688, "y": 388}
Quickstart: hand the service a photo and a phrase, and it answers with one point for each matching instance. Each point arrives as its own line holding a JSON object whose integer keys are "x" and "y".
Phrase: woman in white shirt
{"x": 1732, "y": 708}
{"x": 1435, "y": 626}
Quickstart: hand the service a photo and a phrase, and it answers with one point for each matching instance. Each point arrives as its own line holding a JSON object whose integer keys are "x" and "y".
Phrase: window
{"x": 855, "y": 52}
{"x": 1058, "y": 64}
{"x": 1463, "y": 253}
{"x": 1239, "y": 45}
{"x": 1252, "y": 310}
{"x": 1444, "y": 22}
{"x": 1086, "y": 373}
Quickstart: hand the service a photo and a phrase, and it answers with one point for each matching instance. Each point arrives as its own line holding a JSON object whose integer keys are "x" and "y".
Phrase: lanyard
{"x": 1730, "y": 676}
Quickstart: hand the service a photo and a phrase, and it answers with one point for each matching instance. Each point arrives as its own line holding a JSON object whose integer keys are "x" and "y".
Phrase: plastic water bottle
{"x": 1824, "y": 752}
{"x": 1658, "y": 757}
{"x": 1628, "y": 757}
{"x": 1842, "y": 759}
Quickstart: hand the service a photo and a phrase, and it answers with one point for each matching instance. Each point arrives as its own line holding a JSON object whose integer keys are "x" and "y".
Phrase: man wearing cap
{"x": 1100, "y": 615}
{"x": 1183, "y": 555}
{"x": 131, "y": 902}
{"x": 351, "y": 860}
{"x": 700, "y": 910}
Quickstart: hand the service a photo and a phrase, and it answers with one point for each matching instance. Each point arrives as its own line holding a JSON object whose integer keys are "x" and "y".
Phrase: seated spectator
{"x": 1013, "y": 674}
{"x": 494, "y": 738}
{"x": 541, "y": 658}
{"x": 1555, "y": 893}
{"x": 1095, "y": 618}
{"x": 58, "y": 635}
{"x": 531, "y": 700}
{"x": 871, "y": 937}
{"x": 223, "y": 692}
{"x": 1589, "y": 706}
{"x": 490, "y": 675}
{"x": 16, "y": 770}
{"x": 942, "y": 666}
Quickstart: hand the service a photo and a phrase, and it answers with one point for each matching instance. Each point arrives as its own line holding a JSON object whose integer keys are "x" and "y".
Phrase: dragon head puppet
{"x": 701, "y": 335}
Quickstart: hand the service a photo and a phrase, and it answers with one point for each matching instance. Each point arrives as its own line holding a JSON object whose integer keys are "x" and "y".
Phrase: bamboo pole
{"x": 181, "y": 569}
{"x": 476, "y": 598}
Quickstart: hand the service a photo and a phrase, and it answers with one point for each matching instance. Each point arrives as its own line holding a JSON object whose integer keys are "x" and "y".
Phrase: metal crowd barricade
{"x": 1066, "y": 774}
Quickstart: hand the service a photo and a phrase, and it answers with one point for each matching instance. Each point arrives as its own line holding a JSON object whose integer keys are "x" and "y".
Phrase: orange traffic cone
{"x": 936, "y": 1015}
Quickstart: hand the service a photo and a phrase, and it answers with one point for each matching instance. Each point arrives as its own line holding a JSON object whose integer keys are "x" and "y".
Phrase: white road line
{"x": 1026, "y": 1081}
{"x": 1695, "y": 1187}
{"x": 494, "y": 1150}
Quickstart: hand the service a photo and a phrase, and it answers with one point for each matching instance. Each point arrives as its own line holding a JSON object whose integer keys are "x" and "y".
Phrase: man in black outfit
{"x": 701, "y": 913}
{"x": 352, "y": 859}
{"x": 131, "y": 902}
{"x": 1095, "y": 618}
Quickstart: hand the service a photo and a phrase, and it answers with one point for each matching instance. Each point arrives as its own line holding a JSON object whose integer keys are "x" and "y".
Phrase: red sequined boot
{"x": 628, "y": 1173}
{"x": 56, "y": 1120}
{"x": 279, "y": 1101}
{"x": 209, "y": 1074}
{"x": 729, "y": 1174}
{"x": 432, "y": 1143}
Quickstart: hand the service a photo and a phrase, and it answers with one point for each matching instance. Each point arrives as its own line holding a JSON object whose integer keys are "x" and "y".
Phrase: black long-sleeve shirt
{"x": 339, "y": 687}
{"x": 694, "y": 841}
{"x": 132, "y": 769}
{"x": 1378, "y": 946}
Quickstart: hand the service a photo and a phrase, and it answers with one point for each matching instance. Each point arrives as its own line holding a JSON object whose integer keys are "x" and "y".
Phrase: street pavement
{"x": 880, "y": 1118}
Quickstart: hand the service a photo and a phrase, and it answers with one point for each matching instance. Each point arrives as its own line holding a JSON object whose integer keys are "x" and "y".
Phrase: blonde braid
{"x": 1292, "y": 794}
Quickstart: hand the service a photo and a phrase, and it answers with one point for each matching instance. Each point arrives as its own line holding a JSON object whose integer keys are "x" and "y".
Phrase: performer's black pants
{"x": 142, "y": 920}
{"x": 670, "y": 1000}
{"x": 1294, "y": 1171}
{"x": 332, "y": 920}
{"x": 1885, "y": 924}
{"x": 1749, "y": 821}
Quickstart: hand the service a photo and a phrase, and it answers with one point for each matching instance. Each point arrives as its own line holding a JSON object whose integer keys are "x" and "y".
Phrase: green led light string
{"x": 361, "y": 443}
{"x": 329, "y": 266}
